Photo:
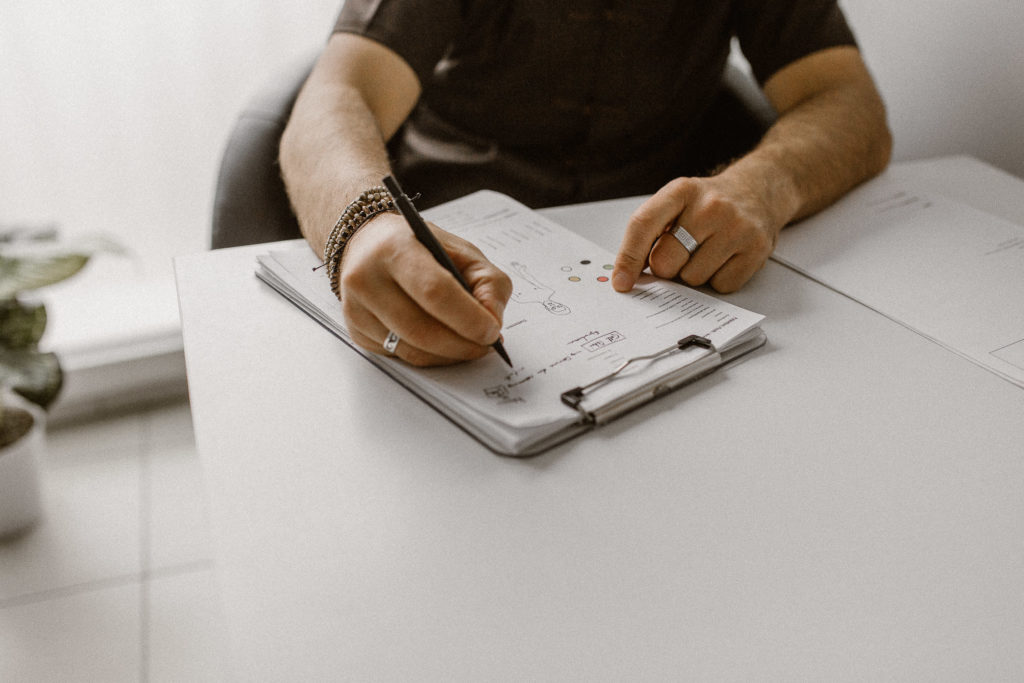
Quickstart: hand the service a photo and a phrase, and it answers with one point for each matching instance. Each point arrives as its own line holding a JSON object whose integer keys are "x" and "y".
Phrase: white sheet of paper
{"x": 944, "y": 269}
{"x": 564, "y": 326}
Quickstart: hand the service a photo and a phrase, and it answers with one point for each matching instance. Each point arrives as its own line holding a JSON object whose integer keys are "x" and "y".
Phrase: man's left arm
{"x": 831, "y": 134}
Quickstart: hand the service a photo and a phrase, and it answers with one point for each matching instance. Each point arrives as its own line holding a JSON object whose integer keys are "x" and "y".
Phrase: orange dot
{"x": 603, "y": 278}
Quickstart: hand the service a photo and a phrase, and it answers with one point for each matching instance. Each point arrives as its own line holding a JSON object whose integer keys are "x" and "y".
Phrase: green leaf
{"x": 36, "y": 376}
{"x": 18, "y": 233}
{"x": 21, "y": 324}
{"x": 25, "y": 272}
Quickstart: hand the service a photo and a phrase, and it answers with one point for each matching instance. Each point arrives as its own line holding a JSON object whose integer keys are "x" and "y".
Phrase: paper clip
{"x": 573, "y": 397}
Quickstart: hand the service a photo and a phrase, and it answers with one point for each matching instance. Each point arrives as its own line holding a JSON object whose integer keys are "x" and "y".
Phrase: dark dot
{"x": 585, "y": 262}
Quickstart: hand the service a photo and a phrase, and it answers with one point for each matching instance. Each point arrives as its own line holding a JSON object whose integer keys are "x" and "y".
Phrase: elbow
{"x": 295, "y": 139}
{"x": 879, "y": 140}
{"x": 869, "y": 117}
{"x": 286, "y": 149}
{"x": 881, "y": 148}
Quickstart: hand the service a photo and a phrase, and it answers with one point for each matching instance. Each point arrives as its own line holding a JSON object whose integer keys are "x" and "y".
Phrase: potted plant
{"x": 29, "y": 259}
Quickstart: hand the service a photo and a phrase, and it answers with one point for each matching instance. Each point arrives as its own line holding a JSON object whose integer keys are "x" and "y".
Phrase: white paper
{"x": 563, "y": 327}
{"x": 944, "y": 269}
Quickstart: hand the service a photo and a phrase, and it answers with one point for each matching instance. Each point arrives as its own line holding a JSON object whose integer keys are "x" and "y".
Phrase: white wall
{"x": 951, "y": 72}
{"x": 114, "y": 113}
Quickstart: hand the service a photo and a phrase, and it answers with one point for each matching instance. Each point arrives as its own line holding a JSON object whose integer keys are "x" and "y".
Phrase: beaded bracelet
{"x": 370, "y": 203}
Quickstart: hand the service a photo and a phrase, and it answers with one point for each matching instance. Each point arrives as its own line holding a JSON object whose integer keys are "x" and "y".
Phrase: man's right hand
{"x": 391, "y": 282}
{"x": 334, "y": 147}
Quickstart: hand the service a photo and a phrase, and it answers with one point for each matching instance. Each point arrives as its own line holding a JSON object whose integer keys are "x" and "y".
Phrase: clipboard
{"x": 573, "y": 374}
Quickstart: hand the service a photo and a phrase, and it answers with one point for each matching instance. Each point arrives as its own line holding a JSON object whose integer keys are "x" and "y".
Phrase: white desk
{"x": 846, "y": 505}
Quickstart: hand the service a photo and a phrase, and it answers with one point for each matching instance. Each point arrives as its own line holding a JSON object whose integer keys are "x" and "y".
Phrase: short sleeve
{"x": 419, "y": 31}
{"x": 774, "y": 33}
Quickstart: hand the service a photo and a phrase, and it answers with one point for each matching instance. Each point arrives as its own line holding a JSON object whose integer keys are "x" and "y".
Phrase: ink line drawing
{"x": 531, "y": 290}
{"x": 604, "y": 341}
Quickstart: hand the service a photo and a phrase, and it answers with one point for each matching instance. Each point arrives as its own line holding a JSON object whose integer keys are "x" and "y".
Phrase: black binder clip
{"x": 574, "y": 397}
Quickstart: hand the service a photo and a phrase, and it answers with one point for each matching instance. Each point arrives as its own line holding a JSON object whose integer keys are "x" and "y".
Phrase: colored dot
{"x": 574, "y": 278}
{"x": 603, "y": 278}
{"x": 607, "y": 266}
{"x": 585, "y": 262}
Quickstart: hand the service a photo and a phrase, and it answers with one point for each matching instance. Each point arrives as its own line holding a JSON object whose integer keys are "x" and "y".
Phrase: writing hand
{"x": 391, "y": 282}
{"x": 731, "y": 217}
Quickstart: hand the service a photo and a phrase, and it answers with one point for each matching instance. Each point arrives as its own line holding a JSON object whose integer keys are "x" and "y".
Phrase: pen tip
{"x": 501, "y": 352}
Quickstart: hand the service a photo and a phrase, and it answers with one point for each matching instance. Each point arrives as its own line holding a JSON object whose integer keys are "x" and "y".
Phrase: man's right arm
{"x": 333, "y": 148}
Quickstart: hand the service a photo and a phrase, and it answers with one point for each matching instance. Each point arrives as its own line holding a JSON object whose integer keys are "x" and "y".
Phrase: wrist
{"x": 368, "y": 205}
{"x": 771, "y": 183}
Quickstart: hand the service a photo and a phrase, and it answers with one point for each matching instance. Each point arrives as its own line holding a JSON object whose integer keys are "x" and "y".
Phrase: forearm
{"x": 818, "y": 150}
{"x": 331, "y": 150}
{"x": 831, "y": 135}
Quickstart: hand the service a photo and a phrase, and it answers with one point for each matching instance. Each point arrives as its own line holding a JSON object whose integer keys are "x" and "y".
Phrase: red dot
{"x": 603, "y": 278}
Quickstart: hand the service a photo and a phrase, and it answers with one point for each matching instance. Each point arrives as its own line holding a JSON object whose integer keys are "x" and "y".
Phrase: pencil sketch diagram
{"x": 528, "y": 290}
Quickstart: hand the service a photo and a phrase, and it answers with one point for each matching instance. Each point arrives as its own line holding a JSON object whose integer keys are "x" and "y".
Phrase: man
{"x": 558, "y": 102}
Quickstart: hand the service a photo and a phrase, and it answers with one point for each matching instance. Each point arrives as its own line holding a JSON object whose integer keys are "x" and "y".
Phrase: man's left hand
{"x": 730, "y": 216}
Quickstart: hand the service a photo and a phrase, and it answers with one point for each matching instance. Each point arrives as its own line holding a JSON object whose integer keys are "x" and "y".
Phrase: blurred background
{"x": 115, "y": 113}
{"x": 951, "y": 74}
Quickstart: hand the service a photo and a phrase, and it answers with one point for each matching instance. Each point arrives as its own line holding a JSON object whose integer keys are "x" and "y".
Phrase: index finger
{"x": 645, "y": 226}
{"x": 442, "y": 296}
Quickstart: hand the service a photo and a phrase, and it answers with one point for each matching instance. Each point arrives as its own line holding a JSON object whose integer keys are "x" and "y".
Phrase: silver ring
{"x": 391, "y": 342}
{"x": 685, "y": 239}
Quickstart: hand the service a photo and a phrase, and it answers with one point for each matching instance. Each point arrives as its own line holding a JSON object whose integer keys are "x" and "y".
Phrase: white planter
{"x": 20, "y": 500}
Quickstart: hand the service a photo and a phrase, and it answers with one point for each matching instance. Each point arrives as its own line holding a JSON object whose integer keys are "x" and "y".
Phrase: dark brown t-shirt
{"x": 559, "y": 102}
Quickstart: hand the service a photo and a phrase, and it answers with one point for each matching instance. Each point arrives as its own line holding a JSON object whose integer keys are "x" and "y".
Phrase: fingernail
{"x": 622, "y": 282}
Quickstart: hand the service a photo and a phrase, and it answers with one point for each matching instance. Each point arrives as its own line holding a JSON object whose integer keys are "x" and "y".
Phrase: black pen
{"x": 427, "y": 239}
